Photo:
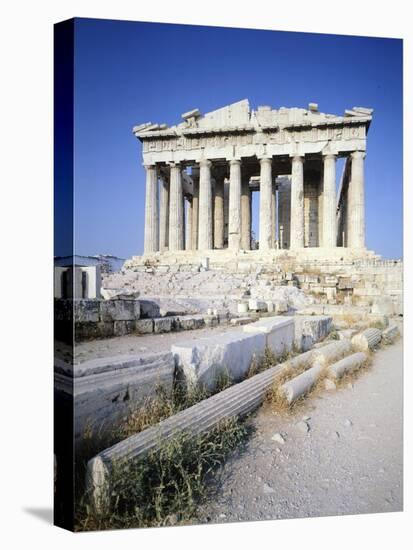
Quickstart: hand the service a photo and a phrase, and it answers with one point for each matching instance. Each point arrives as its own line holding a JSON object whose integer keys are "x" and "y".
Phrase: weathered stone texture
{"x": 202, "y": 362}
{"x": 310, "y": 329}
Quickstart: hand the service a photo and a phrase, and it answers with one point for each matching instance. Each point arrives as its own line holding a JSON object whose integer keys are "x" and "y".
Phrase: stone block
{"x": 104, "y": 389}
{"x": 314, "y": 279}
{"x": 238, "y": 321}
{"x": 91, "y": 330}
{"x": 121, "y": 328}
{"x": 310, "y": 329}
{"x": 63, "y": 310}
{"x": 270, "y": 306}
{"x": 242, "y": 307}
{"x": 279, "y": 333}
{"x": 211, "y": 321}
{"x": 203, "y": 361}
{"x": 86, "y": 311}
{"x": 383, "y": 305}
{"x": 162, "y": 324}
{"x": 144, "y": 326}
{"x": 257, "y": 305}
{"x": 149, "y": 309}
{"x": 345, "y": 283}
{"x": 281, "y": 306}
{"x": 119, "y": 310}
{"x": 191, "y": 322}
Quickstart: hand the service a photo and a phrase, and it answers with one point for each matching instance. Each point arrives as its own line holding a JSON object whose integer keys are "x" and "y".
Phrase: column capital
{"x": 148, "y": 166}
{"x": 329, "y": 156}
{"x": 358, "y": 154}
{"x": 173, "y": 164}
{"x": 297, "y": 157}
{"x": 205, "y": 163}
{"x": 263, "y": 160}
{"x": 234, "y": 162}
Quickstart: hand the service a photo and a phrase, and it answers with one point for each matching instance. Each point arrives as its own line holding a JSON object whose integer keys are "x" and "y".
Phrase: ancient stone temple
{"x": 201, "y": 175}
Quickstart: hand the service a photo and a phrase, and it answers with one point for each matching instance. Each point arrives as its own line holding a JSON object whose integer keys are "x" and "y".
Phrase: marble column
{"x": 356, "y": 223}
{"x": 176, "y": 215}
{"x": 151, "y": 239}
{"x": 205, "y": 206}
{"x": 195, "y": 208}
{"x": 188, "y": 229}
{"x": 234, "y": 217}
{"x": 245, "y": 214}
{"x": 329, "y": 202}
{"x": 184, "y": 220}
{"x": 273, "y": 214}
{"x": 297, "y": 203}
{"x": 219, "y": 211}
{"x": 266, "y": 229}
{"x": 164, "y": 214}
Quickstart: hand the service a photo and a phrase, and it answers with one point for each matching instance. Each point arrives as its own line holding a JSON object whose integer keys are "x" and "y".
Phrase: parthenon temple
{"x": 202, "y": 173}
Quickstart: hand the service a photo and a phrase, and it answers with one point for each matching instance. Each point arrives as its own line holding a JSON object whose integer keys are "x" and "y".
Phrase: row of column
{"x": 205, "y": 224}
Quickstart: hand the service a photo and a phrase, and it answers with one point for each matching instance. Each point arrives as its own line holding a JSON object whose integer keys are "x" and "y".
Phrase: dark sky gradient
{"x": 127, "y": 73}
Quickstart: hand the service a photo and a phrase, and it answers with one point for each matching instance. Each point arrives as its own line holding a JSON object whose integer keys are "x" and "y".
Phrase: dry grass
{"x": 333, "y": 335}
{"x": 350, "y": 321}
{"x": 377, "y": 324}
{"x": 275, "y": 397}
{"x": 351, "y": 377}
{"x": 166, "y": 486}
{"x": 153, "y": 410}
{"x": 269, "y": 360}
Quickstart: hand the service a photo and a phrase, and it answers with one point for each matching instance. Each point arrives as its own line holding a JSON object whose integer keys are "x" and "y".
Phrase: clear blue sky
{"x": 127, "y": 73}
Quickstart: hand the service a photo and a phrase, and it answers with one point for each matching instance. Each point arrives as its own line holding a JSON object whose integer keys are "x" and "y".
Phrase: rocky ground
{"x": 338, "y": 453}
{"x": 195, "y": 292}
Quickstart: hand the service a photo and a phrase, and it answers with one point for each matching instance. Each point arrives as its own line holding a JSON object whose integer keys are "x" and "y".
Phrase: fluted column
{"x": 273, "y": 214}
{"x": 195, "y": 209}
{"x": 245, "y": 214}
{"x": 184, "y": 220}
{"x": 188, "y": 231}
{"x": 297, "y": 203}
{"x": 205, "y": 206}
{"x": 266, "y": 229}
{"x": 164, "y": 214}
{"x": 329, "y": 202}
{"x": 219, "y": 211}
{"x": 151, "y": 240}
{"x": 176, "y": 215}
{"x": 356, "y": 225}
{"x": 234, "y": 218}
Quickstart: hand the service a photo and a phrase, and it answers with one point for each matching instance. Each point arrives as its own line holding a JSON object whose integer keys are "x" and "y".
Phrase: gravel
{"x": 334, "y": 470}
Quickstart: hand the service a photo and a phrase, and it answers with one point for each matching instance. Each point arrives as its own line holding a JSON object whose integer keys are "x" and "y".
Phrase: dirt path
{"x": 349, "y": 462}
